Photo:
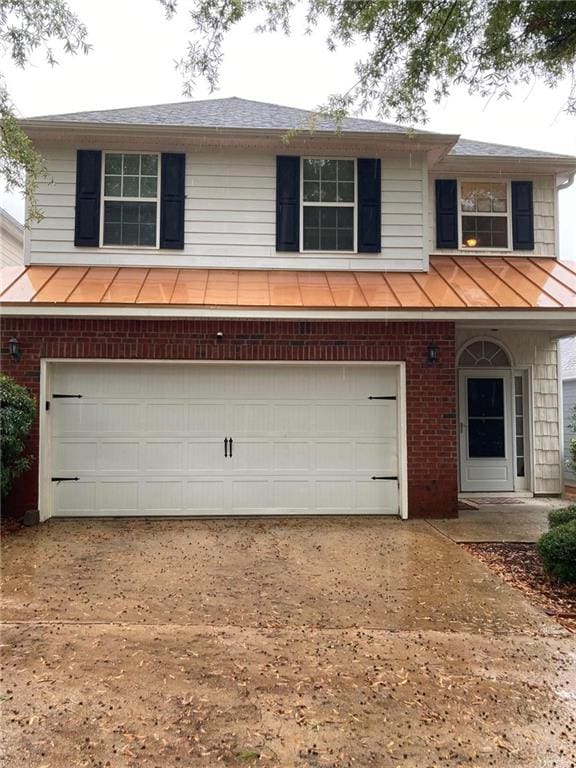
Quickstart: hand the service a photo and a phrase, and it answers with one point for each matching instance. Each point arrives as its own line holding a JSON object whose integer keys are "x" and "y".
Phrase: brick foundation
{"x": 431, "y": 390}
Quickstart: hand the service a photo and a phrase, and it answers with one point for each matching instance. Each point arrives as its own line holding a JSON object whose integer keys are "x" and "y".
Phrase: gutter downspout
{"x": 568, "y": 181}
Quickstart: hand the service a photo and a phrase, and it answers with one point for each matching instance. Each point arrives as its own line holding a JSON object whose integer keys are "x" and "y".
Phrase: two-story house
{"x": 220, "y": 318}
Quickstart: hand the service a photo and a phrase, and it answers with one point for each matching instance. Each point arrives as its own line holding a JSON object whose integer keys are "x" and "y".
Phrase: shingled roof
{"x": 470, "y": 148}
{"x": 245, "y": 114}
{"x": 224, "y": 113}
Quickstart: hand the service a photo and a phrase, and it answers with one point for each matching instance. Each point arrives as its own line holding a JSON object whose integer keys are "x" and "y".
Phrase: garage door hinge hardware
{"x": 66, "y": 396}
{"x": 63, "y": 479}
{"x": 381, "y": 397}
{"x": 60, "y": 396}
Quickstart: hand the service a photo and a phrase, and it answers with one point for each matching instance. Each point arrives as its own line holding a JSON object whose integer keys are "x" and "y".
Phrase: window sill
{"x": 475, "y": 251}
{"x": 329, "y": 253}
{"x": 129, "y": 247}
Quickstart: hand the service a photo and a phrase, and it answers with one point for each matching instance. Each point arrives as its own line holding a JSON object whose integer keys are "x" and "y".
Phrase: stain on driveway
{"x": 319, "y": 642}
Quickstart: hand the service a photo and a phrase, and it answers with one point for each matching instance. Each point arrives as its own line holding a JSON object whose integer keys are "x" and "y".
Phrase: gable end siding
{"x": 230, "y": 218}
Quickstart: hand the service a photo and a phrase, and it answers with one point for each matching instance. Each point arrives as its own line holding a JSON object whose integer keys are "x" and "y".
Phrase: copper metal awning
{"x": 454, "y": 283}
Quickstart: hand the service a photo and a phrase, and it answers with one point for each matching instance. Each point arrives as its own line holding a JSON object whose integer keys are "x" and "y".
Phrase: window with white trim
{"x": 130, "y": 201}
{"x": 520, "y": 426}
{"x": 328, "y": 204}
{"x": 484, "y": 214}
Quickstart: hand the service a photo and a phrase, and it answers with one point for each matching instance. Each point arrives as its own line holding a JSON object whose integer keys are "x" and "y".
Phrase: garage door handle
{"x": 231, "y": 441}
{"x": 64, "y": 479}
{"x": 385, "y": 477}
{"x": 225, "y": 447}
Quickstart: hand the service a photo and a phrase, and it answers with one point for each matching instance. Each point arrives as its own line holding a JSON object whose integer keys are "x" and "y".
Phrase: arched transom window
{"x": 484, "y": 354}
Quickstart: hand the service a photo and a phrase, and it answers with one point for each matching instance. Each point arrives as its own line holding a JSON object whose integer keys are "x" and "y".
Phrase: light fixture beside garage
{"x": 14, "y": 349}
{"x": 432, "y": 354}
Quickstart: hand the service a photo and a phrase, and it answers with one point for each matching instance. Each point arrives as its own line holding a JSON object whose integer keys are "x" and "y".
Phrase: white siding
{"x": 11, "y": 241}
{"x": 404, "y": 210}
{"x": 536, "y": 351}
{"x": 230, "y": 218}
{"x": 544, "y": 217}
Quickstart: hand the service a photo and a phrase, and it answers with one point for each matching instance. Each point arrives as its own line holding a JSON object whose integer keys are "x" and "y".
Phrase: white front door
{"x": 486, "y": 451}
{"x": 168, "y": 439}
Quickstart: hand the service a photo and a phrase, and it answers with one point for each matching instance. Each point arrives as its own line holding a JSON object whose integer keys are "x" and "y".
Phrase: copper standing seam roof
{"x": 460, "y": 282}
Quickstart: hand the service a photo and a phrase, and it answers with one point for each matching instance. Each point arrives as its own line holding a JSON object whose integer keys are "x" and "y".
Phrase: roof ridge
{"x": 190, "y": 102}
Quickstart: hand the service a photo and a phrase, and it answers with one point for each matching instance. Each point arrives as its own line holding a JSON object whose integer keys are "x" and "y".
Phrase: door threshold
{"x": 495, "y": 494}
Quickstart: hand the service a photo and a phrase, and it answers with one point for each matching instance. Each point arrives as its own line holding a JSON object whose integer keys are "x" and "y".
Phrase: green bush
{"x": 572, "y": 444}
{"x": 561, "y": 516}
{"x": 572, "y": 454}
{"x": 17, "y": 412}
{"x": 557, "y": 548}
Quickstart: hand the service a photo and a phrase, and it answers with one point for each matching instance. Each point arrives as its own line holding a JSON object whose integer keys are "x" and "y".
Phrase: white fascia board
{"x": 108, "y": 135}
{"x": 513, "y": 166}
{"x": 563, "y": 320}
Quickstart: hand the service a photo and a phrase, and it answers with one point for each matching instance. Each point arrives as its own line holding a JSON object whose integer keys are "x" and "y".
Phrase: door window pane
{"x": 486, "y": 438}
{"x": 486, "y": 429}
{"x": 486, "y": 397}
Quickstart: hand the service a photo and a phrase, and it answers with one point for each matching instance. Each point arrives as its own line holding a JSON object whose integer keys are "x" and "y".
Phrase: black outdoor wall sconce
{"x": 14, "y": 349}
{"x": 432, "y": 354}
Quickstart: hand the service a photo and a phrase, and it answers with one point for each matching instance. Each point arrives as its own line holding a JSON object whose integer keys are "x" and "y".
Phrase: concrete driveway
{"x": 319, "y": 642}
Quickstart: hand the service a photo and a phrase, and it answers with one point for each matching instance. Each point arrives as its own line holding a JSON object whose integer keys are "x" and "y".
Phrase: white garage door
{"x": 169, "y": 439}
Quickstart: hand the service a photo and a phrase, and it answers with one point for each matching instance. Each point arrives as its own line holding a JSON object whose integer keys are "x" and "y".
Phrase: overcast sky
{"x": 132, "y": 63}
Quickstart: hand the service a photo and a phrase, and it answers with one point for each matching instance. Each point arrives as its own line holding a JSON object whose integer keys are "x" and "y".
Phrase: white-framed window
{"x": 328, "y": 204}
{"x": 519, "y": 426}
{"x": 130, "y": 211}
{"x": 484, "y": 215}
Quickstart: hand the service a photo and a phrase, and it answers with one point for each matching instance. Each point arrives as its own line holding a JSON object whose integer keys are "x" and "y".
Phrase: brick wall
{"x": 431, "y": 390}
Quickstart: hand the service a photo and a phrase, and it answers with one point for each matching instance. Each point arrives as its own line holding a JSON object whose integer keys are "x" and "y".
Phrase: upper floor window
{"x": 328, "y": 205}
{"x": 484, "y": 214}
{"x": 131, "y": 191}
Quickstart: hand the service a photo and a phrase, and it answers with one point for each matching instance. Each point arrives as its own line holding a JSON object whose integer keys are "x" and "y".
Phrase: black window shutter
{"x": 172, "y": 200}
{"x": 522, "y": 216}
{"x": 287, "y": 203}
{"x": 369, "y": 205}
{"x": 87, "y": 215}
{"x": 446, "y": 213}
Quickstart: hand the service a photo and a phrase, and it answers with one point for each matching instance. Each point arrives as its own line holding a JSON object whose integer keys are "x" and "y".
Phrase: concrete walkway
{"x": 305, "y": 643}
{"x": 525, "y": 521}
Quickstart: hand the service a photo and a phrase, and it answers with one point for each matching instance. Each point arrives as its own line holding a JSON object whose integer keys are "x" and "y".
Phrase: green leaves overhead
{"x": 415, "y": 48}
{"x": 28, "y": 26}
